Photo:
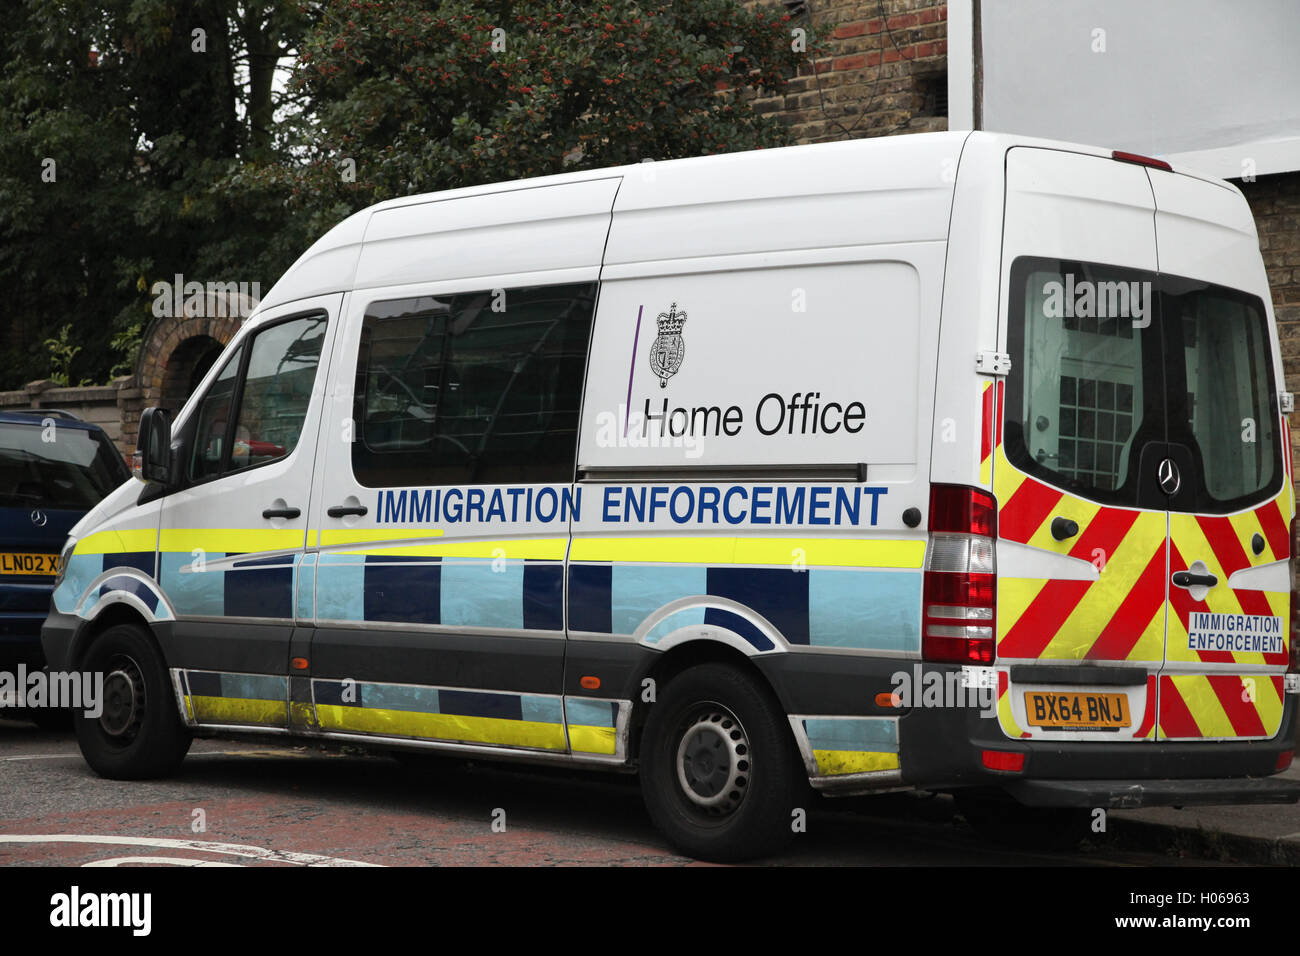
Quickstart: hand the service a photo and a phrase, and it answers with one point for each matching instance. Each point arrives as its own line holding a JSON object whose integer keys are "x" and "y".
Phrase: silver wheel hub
{"x": 123, "y": 698}
{"x": 713, "y": 766}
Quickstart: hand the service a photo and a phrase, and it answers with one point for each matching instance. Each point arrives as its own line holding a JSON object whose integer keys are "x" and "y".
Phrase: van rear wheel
{"x": 719, "y": 773}
{"x": 138, "y": 733}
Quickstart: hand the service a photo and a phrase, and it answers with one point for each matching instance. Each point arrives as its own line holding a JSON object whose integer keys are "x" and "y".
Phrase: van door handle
{"x": 339, "y": 511}
{"x": 1189, "y": 579}
{"x": 281, "y": 513}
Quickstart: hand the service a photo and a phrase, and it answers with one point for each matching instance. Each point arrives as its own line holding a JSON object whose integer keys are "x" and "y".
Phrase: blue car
{"x": 53, "y": 469}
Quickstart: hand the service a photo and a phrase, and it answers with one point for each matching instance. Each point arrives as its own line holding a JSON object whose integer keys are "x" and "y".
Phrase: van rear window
{"x": 480, "y": 387}
{"x": 51, "y": 467}
{"x": 1084, "y": 391}
{"x": 1221, "y": 391}
{"x": 1111, "y": 364}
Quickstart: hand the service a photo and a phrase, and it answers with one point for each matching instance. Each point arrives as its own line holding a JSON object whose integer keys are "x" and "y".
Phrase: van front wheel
{"x": 137, "y": 733}
{"x": 718, "y": 769}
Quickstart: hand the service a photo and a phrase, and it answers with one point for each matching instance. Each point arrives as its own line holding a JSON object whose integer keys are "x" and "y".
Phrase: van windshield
{"x": 1110, "y": 363}
{"x": 53, "y": 467}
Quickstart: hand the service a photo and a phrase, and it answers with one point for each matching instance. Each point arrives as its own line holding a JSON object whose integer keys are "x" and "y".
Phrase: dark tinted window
{"x": 1099, "y": 375}
{"x": 1083, "y": 395}
{"x": 50, "y": 466}
{"x": 214, "y": 416}
{"x": 479, "y": 387}
{"x": 1222, "y": 392}
{"x": 265, "y": 389}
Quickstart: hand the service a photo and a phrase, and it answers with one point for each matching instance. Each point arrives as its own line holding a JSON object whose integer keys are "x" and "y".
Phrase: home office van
{"x": 955, "y": 462}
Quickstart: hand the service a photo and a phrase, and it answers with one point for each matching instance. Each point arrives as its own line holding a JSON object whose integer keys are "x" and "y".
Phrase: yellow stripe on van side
{"x": 452, "y": 727}
{"x": 592, "y": 740}
{"x": 237, "y": 710}
{"x": 115, "y": 542}
{"x": 514, "y": 549}
{"x": 231, "y": 540}
{"x": 331, "y": 538}
{"x": 821, "y": 552}
{"x": 831, "y": 762}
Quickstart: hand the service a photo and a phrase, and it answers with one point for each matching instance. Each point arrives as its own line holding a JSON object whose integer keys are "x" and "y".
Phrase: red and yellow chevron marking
{"x": 1223, "y": 544}
{"x": 1120, "y": 616}
{"x": 990, "y": 427}
{"x": 1005, "y": 715}
{"x": 1226, "y": 706}
{"x": 1146, "y": 728}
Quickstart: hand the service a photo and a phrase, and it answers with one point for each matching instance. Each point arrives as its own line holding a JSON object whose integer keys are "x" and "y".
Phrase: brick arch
{"x": 171, "y": 353}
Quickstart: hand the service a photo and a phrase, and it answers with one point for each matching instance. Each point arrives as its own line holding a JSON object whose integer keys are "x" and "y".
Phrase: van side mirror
{"x": 153, "y": 447}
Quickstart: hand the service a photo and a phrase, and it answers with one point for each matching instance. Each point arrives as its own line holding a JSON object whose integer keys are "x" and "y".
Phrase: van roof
{"x": 922, "y": 163}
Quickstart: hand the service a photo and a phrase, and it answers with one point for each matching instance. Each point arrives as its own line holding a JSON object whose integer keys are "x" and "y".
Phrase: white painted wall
{"x": 1210, "y": 84}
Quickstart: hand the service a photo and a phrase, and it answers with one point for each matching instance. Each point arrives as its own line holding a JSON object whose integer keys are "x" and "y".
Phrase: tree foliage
{"x": 175, "y": 149}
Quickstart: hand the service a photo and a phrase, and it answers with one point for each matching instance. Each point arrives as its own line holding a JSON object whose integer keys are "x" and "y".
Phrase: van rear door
{"x": 1082, "y": 521}
{"x": 1143, "y": 493}
{"x": 1228, "y": 605}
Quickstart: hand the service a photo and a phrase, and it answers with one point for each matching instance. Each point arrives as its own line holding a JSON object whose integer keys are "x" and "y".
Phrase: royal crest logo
{"x": 668, "y": 350}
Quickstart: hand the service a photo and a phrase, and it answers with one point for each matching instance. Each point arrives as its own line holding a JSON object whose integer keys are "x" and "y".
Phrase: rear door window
{"x": 1084, "y": 394}
{"x": 1222, "y": 394}
{"x": 1106, "y": 361}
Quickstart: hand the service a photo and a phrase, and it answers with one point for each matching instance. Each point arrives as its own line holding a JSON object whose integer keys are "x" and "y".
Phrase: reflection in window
{"x": 273, "y": 399}
{"x": 1232, "y": 420}
{"x": 1077, "y": 379}
{"x": 475, "y": 387}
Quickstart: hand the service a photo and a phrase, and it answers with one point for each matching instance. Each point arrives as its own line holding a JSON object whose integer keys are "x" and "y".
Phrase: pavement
{"x": 1263, "y": 834}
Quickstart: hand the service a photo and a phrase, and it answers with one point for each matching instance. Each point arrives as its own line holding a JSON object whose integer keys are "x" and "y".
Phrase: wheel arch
{"x": 111, "y": 616}
{"x": 681, "y": 657}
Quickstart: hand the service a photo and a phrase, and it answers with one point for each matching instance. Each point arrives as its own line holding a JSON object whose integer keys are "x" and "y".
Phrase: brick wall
{"x": 1275, "y": 202}
{"x": 875, "y": 74}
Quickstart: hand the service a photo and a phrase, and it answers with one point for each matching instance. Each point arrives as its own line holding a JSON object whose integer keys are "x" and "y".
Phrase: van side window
{"x": 214, "y": 413}
{"x": 1085, "y": 349}
{"x": 265, "y": 389}
{"x": 480, "y": 387}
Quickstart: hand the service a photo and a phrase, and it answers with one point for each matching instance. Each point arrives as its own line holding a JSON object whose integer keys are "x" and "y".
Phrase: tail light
{"x": 960, "y": 590}
{"x": 1139, "y": 159}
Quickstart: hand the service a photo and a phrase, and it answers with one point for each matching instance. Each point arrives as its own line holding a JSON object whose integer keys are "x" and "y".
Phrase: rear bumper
{"x": 1133, "y": 794}
{"x": 941, "y": 748}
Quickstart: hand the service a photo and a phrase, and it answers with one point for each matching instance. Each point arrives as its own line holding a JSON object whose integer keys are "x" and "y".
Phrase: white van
{"x": 954, "y": 461}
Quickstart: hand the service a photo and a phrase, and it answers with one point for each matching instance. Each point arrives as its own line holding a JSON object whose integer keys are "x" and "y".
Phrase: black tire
{"x": 720, "y": 775}
{"x": 139, "y": 734}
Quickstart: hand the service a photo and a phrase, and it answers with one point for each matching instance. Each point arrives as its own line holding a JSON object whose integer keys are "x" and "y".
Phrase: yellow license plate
{"x": 1067, "y": 710}
{"x": 29, "y": 564}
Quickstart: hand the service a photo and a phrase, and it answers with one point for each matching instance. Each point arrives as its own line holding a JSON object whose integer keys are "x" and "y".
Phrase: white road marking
{"x": 158, "y": 861}
{"x": 202, "y": 846}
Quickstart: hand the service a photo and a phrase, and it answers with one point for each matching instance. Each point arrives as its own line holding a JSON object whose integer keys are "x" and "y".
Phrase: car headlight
{"x": 64, "y": 557}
